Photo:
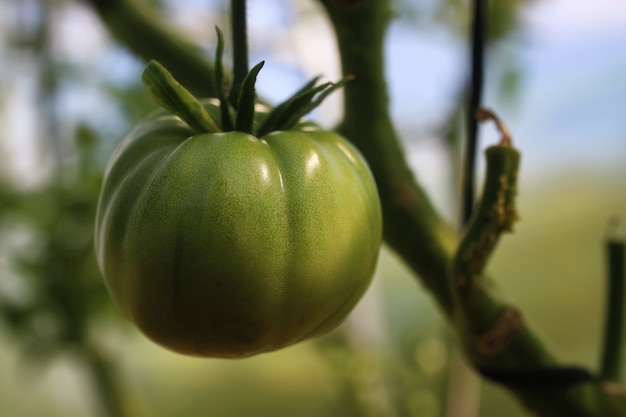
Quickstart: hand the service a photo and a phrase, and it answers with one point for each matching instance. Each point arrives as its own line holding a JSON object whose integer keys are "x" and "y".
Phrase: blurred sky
{"x": 575, "y": 92}
{"x": 569, "y": 107}
{"x": 570, "y": 104}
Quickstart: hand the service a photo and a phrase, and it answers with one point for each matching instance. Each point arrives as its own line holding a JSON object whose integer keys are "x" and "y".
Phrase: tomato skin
{"x": 227, "y": 245}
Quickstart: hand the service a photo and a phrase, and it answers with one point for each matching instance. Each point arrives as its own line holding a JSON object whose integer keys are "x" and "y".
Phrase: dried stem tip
{"x": 483, "y": 114}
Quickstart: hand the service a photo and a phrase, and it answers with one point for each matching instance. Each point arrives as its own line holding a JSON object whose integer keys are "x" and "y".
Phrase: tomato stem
{"x": 239, "y": 29}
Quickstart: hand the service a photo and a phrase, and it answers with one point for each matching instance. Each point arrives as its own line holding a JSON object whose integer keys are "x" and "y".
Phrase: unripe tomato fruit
{"x": 229, "y": 245}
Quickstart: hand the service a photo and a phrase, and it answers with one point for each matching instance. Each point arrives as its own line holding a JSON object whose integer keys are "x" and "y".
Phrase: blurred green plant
{"x": 60, "y": 292}
{"x": 51, "y": 293}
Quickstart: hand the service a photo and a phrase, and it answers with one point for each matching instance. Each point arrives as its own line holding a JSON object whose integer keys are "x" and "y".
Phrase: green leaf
{"x": 227, "y": 123}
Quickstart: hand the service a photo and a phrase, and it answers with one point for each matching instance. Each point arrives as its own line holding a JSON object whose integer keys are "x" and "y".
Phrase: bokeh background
{"x": 68, "y": 94}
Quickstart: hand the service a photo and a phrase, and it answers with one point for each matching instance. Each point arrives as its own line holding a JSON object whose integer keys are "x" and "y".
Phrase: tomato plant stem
{"x": 239, "y": 29}
{"x": 410, "y": 219}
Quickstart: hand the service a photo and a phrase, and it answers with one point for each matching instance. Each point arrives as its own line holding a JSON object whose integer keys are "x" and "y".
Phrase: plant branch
{"x": 412, "y": 227}
{"x": 149, "y": 36}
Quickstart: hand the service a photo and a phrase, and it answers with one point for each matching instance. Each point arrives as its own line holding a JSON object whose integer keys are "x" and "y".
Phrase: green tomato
{"x": 229, "y": 245}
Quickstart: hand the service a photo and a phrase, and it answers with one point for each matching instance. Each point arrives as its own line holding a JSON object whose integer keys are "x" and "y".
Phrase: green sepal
{"x": 227, "y": 123}
{"x": 288, "y": 113}
{"x": 247, "y": 100}
{"x": 172, "y": 96}
{"x": 277, "y": 112}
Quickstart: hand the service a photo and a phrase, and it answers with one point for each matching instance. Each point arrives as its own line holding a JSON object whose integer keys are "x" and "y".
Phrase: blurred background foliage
{"x": 68, "y": 94}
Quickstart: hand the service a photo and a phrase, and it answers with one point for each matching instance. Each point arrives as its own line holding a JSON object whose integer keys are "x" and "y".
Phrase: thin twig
{"x": 610, "y": 365}
{"x": 475, "y": 95}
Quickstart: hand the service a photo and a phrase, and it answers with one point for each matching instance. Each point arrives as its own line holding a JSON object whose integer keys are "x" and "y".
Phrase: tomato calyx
{"x": 287, "y": 114}
{"x": 237, "y": 115}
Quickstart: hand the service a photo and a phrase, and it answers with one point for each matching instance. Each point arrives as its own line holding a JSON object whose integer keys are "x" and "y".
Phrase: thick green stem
{"x": 412, "y": 227}
{"x": 495, "y": 215}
